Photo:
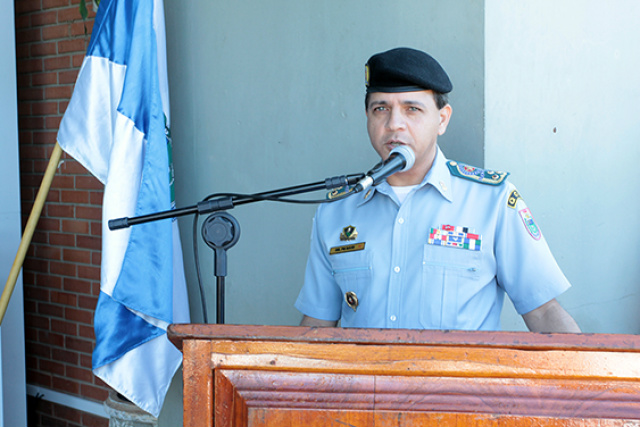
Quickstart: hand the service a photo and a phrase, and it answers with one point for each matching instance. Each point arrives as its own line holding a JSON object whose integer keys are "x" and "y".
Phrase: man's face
{"x": 406, "y": 118}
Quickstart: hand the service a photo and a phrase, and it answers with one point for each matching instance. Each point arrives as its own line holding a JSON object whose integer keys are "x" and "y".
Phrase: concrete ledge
{"x": 123, "y": 413}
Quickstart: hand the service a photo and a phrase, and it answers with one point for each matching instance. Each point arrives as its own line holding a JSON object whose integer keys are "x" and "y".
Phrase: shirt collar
{"x": 438, "y": 177}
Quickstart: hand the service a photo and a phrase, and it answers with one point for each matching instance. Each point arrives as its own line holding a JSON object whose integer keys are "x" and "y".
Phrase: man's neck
{"x": 413, "y": 176}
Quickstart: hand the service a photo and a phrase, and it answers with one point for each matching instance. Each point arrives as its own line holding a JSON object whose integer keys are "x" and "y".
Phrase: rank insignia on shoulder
{"x": 473, "y": 173}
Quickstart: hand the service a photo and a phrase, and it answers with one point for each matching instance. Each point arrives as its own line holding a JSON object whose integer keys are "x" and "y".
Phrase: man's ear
{"x": 445, "y": 116}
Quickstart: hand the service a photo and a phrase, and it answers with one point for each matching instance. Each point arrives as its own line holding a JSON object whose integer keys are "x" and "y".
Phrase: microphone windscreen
{"x": 407, "y": 153}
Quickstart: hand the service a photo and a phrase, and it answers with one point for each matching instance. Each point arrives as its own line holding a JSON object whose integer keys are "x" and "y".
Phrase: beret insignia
{"x": 366, "y": 75}
{"x": 473, "y": 173}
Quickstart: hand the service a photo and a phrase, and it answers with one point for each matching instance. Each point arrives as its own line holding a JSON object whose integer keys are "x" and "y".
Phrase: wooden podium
{"x": 296, "y": 376}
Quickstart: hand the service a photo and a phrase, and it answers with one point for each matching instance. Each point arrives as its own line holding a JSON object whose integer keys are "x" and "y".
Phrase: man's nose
{"x": 396, "y": 120}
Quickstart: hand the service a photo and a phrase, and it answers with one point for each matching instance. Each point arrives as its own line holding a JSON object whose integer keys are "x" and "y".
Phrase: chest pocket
{"x": 449, "y": 276}
{"x": 352, "y": 271}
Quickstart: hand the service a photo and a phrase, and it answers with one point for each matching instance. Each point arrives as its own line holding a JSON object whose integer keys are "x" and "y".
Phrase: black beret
{"x": 405, "y": 70}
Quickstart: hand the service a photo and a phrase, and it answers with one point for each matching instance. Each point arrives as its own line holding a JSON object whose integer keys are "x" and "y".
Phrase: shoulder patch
{"x": 473, "y": 173}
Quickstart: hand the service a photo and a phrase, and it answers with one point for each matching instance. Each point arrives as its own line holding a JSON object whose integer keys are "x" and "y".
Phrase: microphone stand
{"x": 221, "y": 231}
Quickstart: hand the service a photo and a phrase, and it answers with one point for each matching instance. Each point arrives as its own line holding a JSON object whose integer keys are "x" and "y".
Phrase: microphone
{"x": 400, "y": 159}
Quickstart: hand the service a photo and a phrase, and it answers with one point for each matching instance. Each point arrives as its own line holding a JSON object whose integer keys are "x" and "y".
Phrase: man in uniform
{"x": 433, "y": 247}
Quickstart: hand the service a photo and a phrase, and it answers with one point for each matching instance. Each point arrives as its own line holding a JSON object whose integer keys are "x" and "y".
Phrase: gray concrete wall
{"x": 271, "y": 94}
{"x": 562, "y": 114}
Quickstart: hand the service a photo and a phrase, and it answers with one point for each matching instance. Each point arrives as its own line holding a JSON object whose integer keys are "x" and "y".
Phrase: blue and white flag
{"x": 117, "y": 126}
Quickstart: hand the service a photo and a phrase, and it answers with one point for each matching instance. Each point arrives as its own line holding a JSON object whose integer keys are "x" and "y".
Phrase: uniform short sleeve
{"x": 320, "y": 296}
{"x": 527, "y": 270}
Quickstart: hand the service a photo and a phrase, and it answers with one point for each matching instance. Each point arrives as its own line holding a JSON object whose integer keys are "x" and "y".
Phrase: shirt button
{"x": 396, "y": 269}
{"x": 401, "y": 220}
{"x": 393, "y": 318}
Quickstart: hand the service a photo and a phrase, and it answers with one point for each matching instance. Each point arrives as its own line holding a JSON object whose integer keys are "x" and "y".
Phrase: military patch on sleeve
{"x": 473, "y": 173}
{"x": 530, "y": 224}
{"x": 513, "y": 199}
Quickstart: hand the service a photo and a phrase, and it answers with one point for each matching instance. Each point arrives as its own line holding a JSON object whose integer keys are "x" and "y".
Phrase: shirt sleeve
{"x": 527, "y": 270}
{"x": 320, "y": 296}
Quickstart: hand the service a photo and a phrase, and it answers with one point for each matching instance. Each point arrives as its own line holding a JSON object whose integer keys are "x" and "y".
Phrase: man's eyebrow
{"x": 406, "y": 103}
{"x": 416, "y": 103}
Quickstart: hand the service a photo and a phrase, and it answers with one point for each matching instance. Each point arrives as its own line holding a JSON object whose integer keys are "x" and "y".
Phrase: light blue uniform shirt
{"x": 404, "y": 279}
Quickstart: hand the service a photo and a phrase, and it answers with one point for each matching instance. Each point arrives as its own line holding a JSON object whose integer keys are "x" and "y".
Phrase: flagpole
{"x": 29, "y": 229}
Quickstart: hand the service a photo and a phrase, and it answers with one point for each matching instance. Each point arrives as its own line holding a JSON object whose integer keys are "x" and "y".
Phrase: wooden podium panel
{"x": 296, "y": 376}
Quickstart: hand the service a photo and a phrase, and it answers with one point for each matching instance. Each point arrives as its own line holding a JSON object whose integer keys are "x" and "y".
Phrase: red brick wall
{"x": 61, "y": 273}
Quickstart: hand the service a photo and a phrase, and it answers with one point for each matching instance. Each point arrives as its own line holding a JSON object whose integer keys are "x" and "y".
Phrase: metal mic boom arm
{"x": 229, "y": 202}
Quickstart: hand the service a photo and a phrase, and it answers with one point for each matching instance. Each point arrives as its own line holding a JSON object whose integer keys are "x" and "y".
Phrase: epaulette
{"x": 473, "y": 173}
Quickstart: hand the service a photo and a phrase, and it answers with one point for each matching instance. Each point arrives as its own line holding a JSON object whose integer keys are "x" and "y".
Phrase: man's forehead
{"x": 421, "y": 96}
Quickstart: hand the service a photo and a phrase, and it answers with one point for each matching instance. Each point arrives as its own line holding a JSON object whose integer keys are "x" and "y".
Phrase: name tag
{"x": 346, "y": 248}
